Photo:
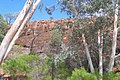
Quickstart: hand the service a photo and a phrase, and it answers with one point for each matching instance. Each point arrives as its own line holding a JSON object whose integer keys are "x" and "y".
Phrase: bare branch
{"x": 117, "y": 55}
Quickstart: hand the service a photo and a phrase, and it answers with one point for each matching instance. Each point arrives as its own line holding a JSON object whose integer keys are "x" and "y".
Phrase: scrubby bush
{"x": 81, "y": 74}
{"x": 19, "y": 65}
{"x": 58, "y": 71}
{"x": 111, "y": 76}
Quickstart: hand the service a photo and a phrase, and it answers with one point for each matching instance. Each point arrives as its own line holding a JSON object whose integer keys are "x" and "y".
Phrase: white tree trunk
{"x": 114, "y": 41}
{"x": 22, "y": 26}
{"x": 100, "y": 44}
{"x": 14, "y": 28}
{"x": 88, "y": 54}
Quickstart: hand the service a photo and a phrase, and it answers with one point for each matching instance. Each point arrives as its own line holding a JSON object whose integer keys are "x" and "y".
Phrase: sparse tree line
{"x": 96, "y": 21}
{"x": 94, "y": 36}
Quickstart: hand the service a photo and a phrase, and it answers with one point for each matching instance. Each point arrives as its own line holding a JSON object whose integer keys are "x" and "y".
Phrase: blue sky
{"x": 12, "y": 6}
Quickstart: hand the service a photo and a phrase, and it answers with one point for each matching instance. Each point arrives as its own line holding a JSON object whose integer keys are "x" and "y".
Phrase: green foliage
{"x": 86, "y": 8}
{"x": 81, "y": 74}
{"x": 103, "y": 23}
{"x": 60, "y": 71}
{"x": 111, "y": 76}
{"x": 44, "y": 68}
{"x": 56, "y": 41}
{"x": 56, "y": 36}
{"x": 19, "y": 64}
{"x": 3, "y": 26}
{"x": 3, "y": 23}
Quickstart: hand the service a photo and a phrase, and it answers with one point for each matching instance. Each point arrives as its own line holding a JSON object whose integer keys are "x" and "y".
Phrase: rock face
{"x": 36, "y": 35}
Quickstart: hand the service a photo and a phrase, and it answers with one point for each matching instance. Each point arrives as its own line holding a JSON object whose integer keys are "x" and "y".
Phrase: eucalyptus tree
{"x": 22, "y": 26}
{"x": 114, "y": 40}
{"x": 17, "y": 26}
{"x": 100, "y": 13}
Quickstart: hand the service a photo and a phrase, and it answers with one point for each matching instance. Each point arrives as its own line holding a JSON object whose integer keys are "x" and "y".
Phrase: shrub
{"x": 81, "y": 74}
{"x": 61, "y": 71}
{"x": 58, "y": 71}
{"x": 19, "y": 65}
{"x": 111, "y": 76}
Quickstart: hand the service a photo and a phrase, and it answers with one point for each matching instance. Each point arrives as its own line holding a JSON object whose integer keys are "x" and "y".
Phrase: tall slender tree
{"x": 27, "y": 18}
{"x": 90, "y": 8}
{"x": 88, "y": 54}
{"x": 14, "y": 28}
{"x": 114, "y": 40}
{"x": 100, "y": 49}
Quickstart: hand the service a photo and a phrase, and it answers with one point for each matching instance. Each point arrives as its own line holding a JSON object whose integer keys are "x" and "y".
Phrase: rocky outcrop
{"x": 36, "y": 34}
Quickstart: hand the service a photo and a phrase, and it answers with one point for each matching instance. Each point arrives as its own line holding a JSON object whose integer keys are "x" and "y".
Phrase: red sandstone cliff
{"x": 37, "y": 33}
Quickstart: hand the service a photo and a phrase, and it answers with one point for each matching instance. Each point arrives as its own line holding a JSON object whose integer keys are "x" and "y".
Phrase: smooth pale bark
{"x": 100, "y": 49}
{"x": 22, "y": 26}
{"x": 114, "y": 41}
{"x": 117, "y": 55}
{"x": 14, "y": 28}
{"x": 88, "y": 54}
